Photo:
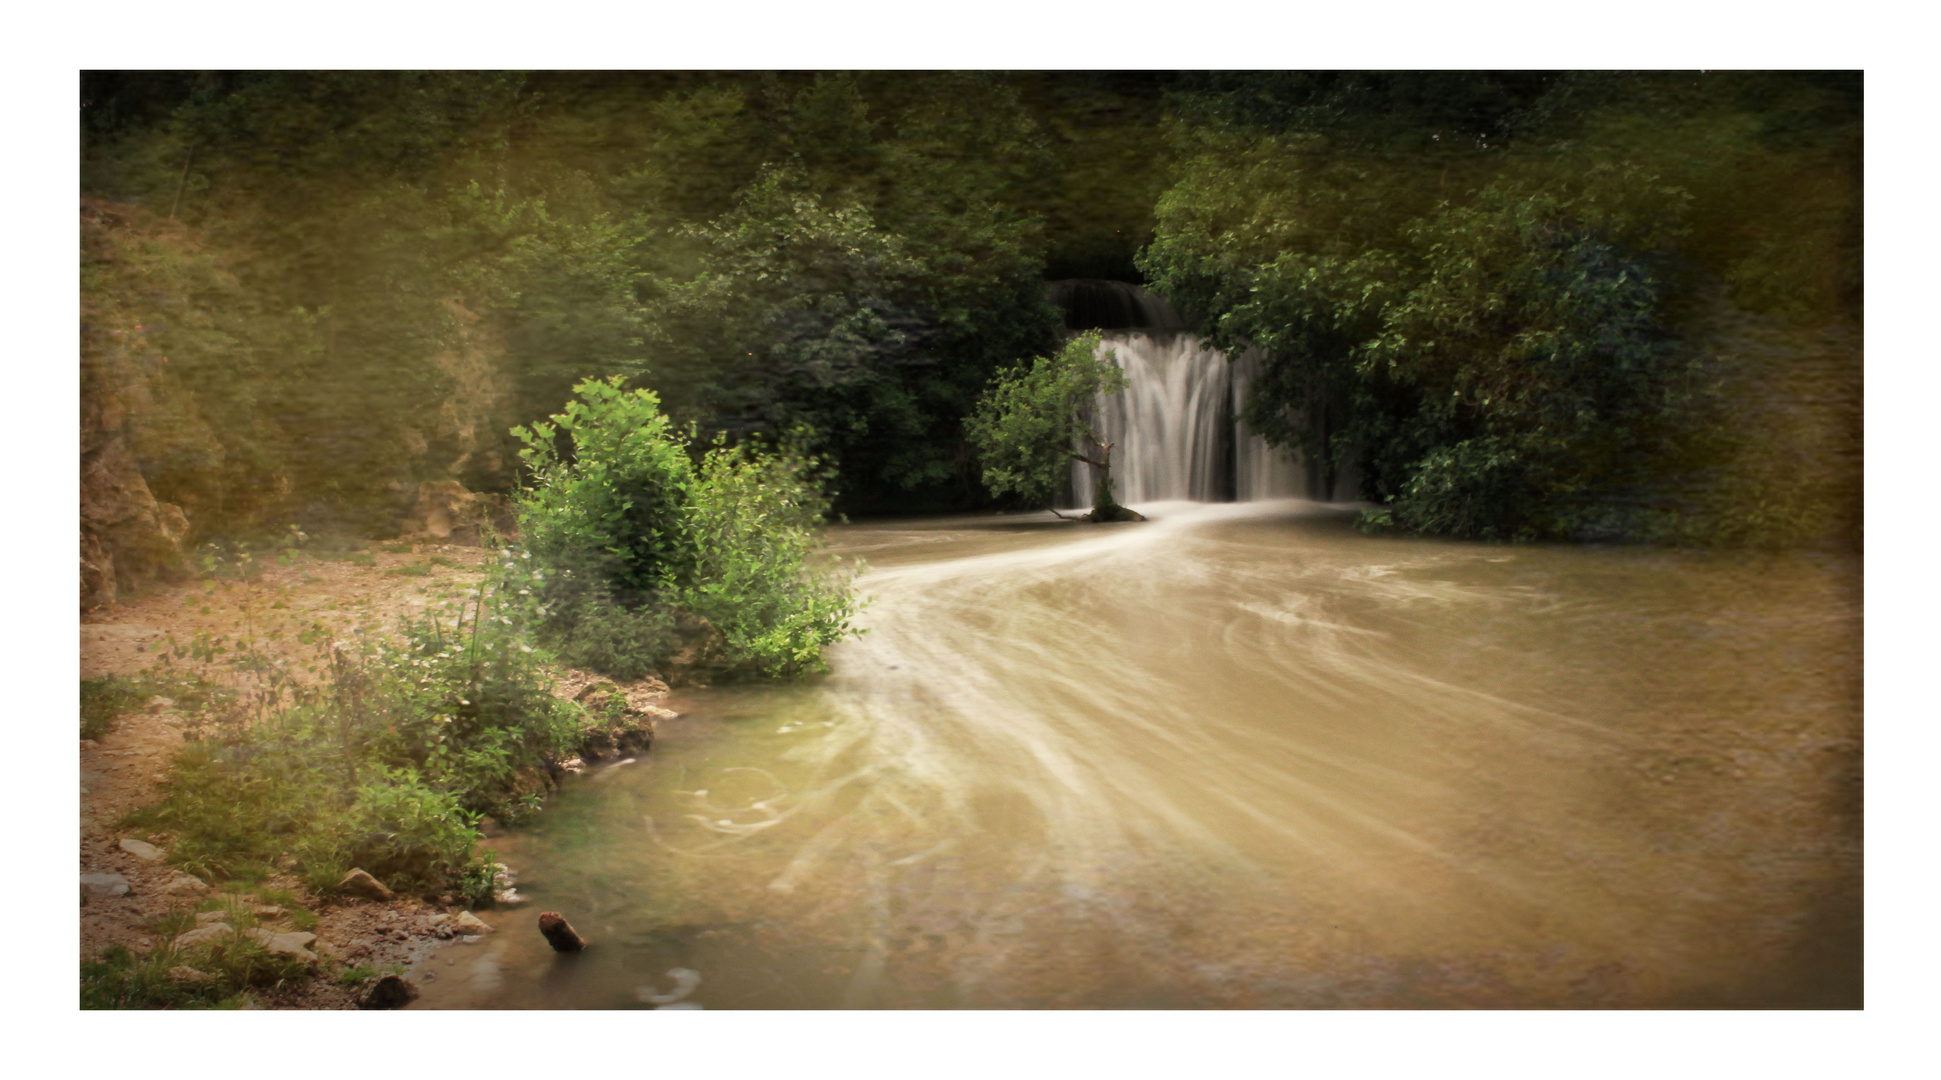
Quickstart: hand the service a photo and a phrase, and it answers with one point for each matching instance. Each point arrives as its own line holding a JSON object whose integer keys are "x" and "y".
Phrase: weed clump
{"x": 209, "y": 975}
{"x": 104, "y": 699}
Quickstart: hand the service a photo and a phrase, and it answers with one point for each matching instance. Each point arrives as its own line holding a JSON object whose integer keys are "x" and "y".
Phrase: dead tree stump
{"x": 560, "y": 933}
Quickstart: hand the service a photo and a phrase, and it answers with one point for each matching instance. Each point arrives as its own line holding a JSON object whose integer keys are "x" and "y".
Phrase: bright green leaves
{"x": 626, "y": 528}
{"x": 1034, "y": 420}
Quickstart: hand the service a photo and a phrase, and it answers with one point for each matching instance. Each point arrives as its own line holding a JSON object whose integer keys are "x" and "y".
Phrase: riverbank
{"x": 138, "y": 901}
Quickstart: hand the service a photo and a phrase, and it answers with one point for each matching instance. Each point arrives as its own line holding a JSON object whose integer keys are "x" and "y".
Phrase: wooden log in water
{"x": 560, "y": 933}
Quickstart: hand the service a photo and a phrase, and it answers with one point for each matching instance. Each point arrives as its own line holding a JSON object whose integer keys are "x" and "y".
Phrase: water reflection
{"x": 1238, "y": 756}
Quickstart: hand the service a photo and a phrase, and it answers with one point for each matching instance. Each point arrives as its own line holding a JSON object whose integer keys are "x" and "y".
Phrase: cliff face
{"x": 205, "y": 397}
{"x": 128, "y": 539}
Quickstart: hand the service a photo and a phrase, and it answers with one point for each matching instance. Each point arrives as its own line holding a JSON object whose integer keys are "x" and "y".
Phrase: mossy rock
{"x": 1114, "y": 513}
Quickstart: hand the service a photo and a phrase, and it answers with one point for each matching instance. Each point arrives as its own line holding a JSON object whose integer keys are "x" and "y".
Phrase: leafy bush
{"x": 604, "y": 525}
{"x": 625, "y": 531}
{"x": 750, "y": 534}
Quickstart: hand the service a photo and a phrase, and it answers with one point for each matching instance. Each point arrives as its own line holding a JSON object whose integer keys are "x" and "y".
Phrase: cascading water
{"x": 1174, "y": 429}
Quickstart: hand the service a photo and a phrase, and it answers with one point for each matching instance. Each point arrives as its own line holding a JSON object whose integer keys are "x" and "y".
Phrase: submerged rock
{"x": 1114, "y": 513}
{"x": 560, "y": 933}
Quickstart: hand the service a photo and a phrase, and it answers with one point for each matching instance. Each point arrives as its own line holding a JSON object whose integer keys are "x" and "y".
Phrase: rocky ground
{"x": 126, "y": 883}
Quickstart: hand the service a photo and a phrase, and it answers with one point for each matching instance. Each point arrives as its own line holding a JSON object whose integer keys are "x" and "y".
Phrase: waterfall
{"x": 1175, "y": 427}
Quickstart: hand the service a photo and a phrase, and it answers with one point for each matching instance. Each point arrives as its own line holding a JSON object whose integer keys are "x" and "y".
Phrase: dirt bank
{"x": 123, "y": 770}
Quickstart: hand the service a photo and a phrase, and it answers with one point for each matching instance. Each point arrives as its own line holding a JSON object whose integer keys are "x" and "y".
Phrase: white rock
{"x": 203, "y": 935}
{"x": 468, "y": 923}
{"x": 180, "y": 882}
{"x": 141, "y": 849}
{"x": 103, "y": 886}
{"x": 291, "y": 945}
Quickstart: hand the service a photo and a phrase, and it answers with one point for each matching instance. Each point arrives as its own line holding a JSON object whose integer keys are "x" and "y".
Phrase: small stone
{"x": 141, "y": 849}
{"x": 359, "y": 883}
{"x": 204, "y": 935}
{"x": 160, "y": 702}
{"x": 508, "y": 897}
{"x": 186, "y": 974}
{"x": 207, "y": 917}
{"x": 468, "y": 923}
{"x": 290, "y": 945}
{"x": 180, "y": 882}
{"x": 265, "y": 911}
{"x": 90, "y": 744}
{"x": 103, "y": 886}
{"x": 386, "y": 992}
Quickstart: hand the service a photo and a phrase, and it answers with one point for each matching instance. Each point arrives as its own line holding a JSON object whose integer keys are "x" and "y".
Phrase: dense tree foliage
{"x": 418, "y": 261}
{"x": 1514, "y": 305}
{"x": 1505, "y": 301}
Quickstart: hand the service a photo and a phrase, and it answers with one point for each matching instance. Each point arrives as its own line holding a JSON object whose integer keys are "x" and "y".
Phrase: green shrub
{"x": 750, "y": 529}
{"x": 624, "y": 530}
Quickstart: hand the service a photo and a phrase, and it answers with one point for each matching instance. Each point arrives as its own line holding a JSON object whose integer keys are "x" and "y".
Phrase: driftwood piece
{"x": 560, "y": 933}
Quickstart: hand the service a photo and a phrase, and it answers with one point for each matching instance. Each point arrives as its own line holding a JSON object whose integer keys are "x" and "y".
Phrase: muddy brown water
{"x": 1235, "y": 757}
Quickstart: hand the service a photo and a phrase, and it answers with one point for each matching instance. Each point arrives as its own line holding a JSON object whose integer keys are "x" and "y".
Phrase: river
{"x": 1238, "y": 756}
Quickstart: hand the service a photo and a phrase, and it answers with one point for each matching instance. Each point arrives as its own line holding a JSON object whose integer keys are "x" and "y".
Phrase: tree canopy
{"x": 1524, "y": 304}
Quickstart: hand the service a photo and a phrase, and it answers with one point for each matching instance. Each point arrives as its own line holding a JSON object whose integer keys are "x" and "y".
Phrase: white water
{"x": 1175, "y": 431}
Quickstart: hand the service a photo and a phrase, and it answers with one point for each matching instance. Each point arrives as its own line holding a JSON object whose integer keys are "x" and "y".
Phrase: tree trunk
{"x": 1104, "y": 506}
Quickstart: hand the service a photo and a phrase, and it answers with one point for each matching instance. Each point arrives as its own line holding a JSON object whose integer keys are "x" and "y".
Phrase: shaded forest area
{"x": 1523, "y": 305}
